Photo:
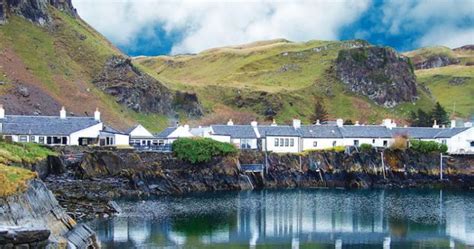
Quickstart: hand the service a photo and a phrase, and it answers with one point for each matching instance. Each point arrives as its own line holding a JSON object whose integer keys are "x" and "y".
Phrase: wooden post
{"x": 441, "y": 166}
{"x": 383, "y": 165}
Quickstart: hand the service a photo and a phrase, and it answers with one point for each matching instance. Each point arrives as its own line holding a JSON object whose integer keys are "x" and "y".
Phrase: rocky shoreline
{"x": 87, "y": 182}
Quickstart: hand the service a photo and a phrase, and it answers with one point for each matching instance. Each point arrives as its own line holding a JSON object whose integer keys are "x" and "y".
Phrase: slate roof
{"x": 427, "y": 132}
{"x": 283, "y": 130}
{"x": 365, "y": 131}
{"x": 166, "y": 132}
{"x": 44, "y": 125}
{"x": 127, "y": 131}
{"x": 234, "y": 131}
{"x": 320, "y": 131}
{"x": 109, "y": 130}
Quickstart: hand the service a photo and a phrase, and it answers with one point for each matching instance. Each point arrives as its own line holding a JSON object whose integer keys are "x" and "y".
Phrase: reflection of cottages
{"x": 460, "y": 222}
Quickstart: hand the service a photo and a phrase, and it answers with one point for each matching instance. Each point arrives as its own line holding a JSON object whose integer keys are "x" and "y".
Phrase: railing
{"x": 155, "y": 148}
{"x": 252, "y": 167}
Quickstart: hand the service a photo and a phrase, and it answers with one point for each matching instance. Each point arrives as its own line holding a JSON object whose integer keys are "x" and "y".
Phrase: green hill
{"x": 273, "y": 77}
{"x": 44, "y": 66}
{"x": 452, "y": 85}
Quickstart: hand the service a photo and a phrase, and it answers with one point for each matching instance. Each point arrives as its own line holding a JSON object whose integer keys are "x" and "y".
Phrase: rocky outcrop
{"x": 434, "y": 61}
{"x": 89, "y": 185}
{"x": 263, "y": 103}
{"x": 17, "y": 237}
{"x": 142, "y": 93}
{"x": 34, "y": 10}
{"x": 379, "y": 73}
{"x": 36, "y": 209}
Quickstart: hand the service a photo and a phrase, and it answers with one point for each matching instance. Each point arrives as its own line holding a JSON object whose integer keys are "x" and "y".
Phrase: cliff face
{"x": 37, "y": 209}
{"x": 35, "y": 10}
{"x": 378, "y": 73}
{"x": 436, "y": 61}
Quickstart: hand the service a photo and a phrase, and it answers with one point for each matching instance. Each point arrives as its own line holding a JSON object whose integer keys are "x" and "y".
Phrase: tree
{"x": 320, "y": 113}
{"x": 348, "y": 122}
{"x": 440, "y": 115}
{"x": 420, "y": 119}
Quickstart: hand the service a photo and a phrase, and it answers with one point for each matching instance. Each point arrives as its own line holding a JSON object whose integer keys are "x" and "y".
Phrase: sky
{"x": 160, "y": 27}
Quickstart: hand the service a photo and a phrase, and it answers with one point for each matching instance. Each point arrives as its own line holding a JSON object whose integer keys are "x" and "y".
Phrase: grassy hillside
{"x": 292, "y": 75}
{"x": 13, "y": 179}
{"x": 57, "y": 64}
{"x": 453, "y": 85}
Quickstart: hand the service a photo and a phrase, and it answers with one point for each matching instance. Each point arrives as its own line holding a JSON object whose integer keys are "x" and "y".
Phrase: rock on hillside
{"x": 379, "y": 73}
{"x": 34, "y": 10}
{"x": 142, "y": 93}
{"x": 435, "y": 61}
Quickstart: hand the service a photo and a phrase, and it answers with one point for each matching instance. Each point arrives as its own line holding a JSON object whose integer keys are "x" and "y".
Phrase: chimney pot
{"x": 230, "y": 122}
{"x": 62, "y": 113}
{"x": 2, "y": 112}
{"x": 97, "y": 114}
{"x": 339, "y": 122}
{"x": 254, "y": 123}
{"x": 453, "y": 123}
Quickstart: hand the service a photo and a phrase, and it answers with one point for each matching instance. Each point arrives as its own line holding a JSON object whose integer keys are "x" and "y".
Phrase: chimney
{"x": 453, "y": 123}
{"x": 186, "y": 127}
{"x": 2, "y": 112}
{"x": 62, "y": 113}
{"x": 97, "y": 115}
{"x": 339, "y": 122}
{"x": 296, "y": 123}
{"x": 387, "y": 123}
{"x": 230, "y": 122}
{"x": 254, "y": 123}
{"x": 357, "y": 123}
{"x": 317, "y": 122}
{"x": 274, "y": 123}
{"x": 435, "y": 125}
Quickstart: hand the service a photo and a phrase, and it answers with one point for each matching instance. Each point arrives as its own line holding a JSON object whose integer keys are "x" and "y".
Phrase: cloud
{"x": 433, "y": 22}
{"x": 205, "y": 24}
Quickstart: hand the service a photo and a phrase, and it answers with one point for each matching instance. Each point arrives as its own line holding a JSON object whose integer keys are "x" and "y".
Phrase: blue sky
{"x": 157, "y": 27}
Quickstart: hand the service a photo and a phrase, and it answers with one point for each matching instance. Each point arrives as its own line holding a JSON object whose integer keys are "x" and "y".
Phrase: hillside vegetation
{"x": 13, "y": 179}
{"x": 56, "y": 64}
{"x": 452, "y": 85}
{"x": 273, "y": 79}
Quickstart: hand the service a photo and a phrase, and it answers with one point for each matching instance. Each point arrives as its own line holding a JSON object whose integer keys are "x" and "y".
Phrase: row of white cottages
{"x": 297, "y": 138}
{"x": 70, "y": 130}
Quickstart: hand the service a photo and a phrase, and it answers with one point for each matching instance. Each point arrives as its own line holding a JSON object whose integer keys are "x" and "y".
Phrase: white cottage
{"x": 170, "y": 134}
{"x": 281, "y": 138}
{"x": 51, "y": 130}
{"x": 242, "y": 136}
{"x": 112, "y": 137}
{"x": 141, "y": 137}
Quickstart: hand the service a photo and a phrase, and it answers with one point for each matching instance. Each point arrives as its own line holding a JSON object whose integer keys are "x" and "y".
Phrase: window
{"x": 287, "y": 142}
{"x": 443, "y": 141}
{"x": 64, "y": 140}
{"x": 292, "y": 142}
{"x": 334, "y": 143}
{"x": 385, "y": 143}
{"x": 315, "y": 144}
{"x": 356, "y": 142}
{"x": 23, "y": 139}
{"x": 276, "y": 142}
{"x": 41, "y": 140}
{"x": 245, "y": 144}
{"x": 282, "y": 142}
{"x": 32, "y": 139}
{"x": 373, "y": 141}
{"x": 472, "y": 144}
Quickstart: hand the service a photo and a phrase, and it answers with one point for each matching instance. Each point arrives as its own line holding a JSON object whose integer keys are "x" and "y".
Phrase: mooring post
{"x": 441, "y": 166}
{"x": 383, "y": 165}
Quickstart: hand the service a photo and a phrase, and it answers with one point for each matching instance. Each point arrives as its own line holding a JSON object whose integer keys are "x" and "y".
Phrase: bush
{"x": 339, "y": 148}
{"x": 428, "y": 146}
{"x": 201, "y": 150}
{"x": 399, "y": 143}
{"x": 365, "y": 148}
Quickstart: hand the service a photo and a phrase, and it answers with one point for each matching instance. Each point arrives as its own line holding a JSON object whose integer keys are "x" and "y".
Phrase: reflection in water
{"x": 296, "y": 219}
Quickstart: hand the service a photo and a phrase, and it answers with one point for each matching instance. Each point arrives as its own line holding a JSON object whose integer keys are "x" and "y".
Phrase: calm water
{"x": 295, "y": 219}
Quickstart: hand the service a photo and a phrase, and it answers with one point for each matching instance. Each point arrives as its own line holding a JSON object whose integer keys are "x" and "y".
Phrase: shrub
{"x": 201, "y": 150}
{"x": 365, "y": 148}
{"x": 427, "y": 146}
{"x": 399, "y": 143}
{"x": 339, "y": 148}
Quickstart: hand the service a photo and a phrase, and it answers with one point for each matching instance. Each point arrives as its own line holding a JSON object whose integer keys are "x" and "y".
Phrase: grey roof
{"x": 44, "y": 125}
{"x": 112, "y": 130}
{"x": 283, "y": 130}
{"x": 365, "y": 131}
{"x": 234, "y": 131}
{"x": 320, "y": 131}
{"x": 127, "y": 131}
{"x": 427, "y": 132}
{"x": 166, "y": 132}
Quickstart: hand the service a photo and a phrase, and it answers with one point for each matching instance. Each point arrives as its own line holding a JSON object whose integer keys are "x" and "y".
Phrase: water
{"x": 295, "y": 219}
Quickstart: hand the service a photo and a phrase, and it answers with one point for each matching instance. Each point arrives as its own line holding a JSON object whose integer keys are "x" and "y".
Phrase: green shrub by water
{"x": 201, "y": 150}
{"x": 428, "y": 146}
{"x": 365, "y": 148}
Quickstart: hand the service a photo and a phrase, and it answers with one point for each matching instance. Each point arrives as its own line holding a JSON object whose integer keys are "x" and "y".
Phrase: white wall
{"x": 90, "y": 132}
{"x": 378, "y": 141}
{"x": 220, "y": 138}
{"x": 140, "y": 132}
{"x": 270, "y": 145}
{"x": 322, "y": 143}
{"x": 122, "y": 139}
{"x": 180, "y": 131}
{"x": 461, "y": 142}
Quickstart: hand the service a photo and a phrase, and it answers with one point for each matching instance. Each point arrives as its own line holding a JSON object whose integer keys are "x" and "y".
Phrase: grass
{"x": 457, "y": 98}
{"x": 13, "y": 179}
